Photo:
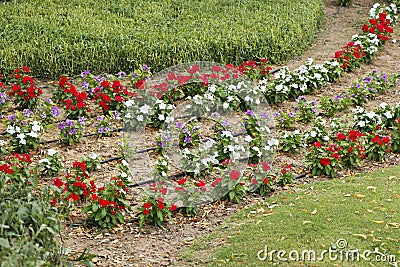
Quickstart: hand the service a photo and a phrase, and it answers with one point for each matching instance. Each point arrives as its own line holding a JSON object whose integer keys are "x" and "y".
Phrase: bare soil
{"x": 129, "y": 245}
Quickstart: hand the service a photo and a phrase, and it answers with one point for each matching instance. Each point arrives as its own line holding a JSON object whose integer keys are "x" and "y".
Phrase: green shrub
{"x": 65, "y": 37}
{"x": 28, "y": 227}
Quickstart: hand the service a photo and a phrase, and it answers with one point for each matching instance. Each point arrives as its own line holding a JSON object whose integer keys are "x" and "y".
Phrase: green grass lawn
{"x": 361, "y": 213}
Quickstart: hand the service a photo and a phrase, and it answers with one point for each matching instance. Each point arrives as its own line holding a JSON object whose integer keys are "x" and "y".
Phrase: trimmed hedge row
{"x": 55, "y": 37}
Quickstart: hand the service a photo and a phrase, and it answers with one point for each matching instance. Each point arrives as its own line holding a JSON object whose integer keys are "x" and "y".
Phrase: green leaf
{"x": 4, "y": 243}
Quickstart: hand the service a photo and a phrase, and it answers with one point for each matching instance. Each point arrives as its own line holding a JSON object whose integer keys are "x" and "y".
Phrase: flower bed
{"x": 208, "y": 176}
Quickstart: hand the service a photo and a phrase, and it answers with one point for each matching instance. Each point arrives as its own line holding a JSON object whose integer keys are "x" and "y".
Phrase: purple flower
{"x": 277, "y": 115}
{"x": 69, "y": 122}
{"x": 99, "y": 78}
{"x": 337, "y": 97}
{"x": 11, "y": 117}
{"x": 99, "y": 118}
{"x": 296, "y": 109}
{"x": 135, "y": 75}
{"x": 55, "y": 111}
{"x": 282, "y": 120}
{"x": 107, "y": 129}
{"x": 301, "y": 98}
{"x": 358, "y": 86}
{"x": 161, "y": 144}
{"x": 187, "y": 139}
{"x": 179, "y": 125}
{"x": 264, "y": 115}
{"x": 250, "y": 112}
{"x": 116, "y": 115}
{"x": 385, "y": 77}
{"x": 43, "y": 115}
{"x": 291, "y": 114}
{"x": 61, "y": 126}
{"x": 85, "y": 85}
{"x": 26, "y": 112}
{"x": 84, "y": 73}
{"x": 100, "y": 130}
{"x": 145, "y": 67}
{"x": 72, "y": 131}
{"x": 367, "y": 80}
{"x": 48, "y": 100}
{"x": 81, "y": 120}
{"x": 121, "y": 74}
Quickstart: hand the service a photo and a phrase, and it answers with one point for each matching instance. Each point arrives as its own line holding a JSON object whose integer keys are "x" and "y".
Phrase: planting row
{"x": 77, "y": 35}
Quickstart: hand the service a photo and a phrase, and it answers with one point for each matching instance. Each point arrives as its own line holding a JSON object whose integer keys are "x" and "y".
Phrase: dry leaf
{"x": 314, "y": 211}
{"x": 372, "y": 188}
{"x": 377, "y": 222}
{"x": 358, "y": 195}
{"x": 306, "y": 222}
{"x": 361, "y": 235}
{"x": 394, "y": 224}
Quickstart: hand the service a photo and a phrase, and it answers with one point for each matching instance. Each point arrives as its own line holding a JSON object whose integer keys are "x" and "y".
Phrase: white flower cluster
{"x": 364, "y": 119}
{"x": 369, "y": 42}
{"x": 17, "y": 132}
{"x": 391, "y": 12}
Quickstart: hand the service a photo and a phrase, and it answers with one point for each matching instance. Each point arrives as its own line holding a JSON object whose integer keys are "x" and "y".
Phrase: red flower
{"x": 94, "y": 197}
{"x": 147, "y": 205}
{"x": 265, "y": 181}
{"x": 373, "y": 21}
{"x": 325, "y": 161}
{"x": 216, "y": 181}
{"x": 163, "y": 190}
{"x": 58, "y": 182}
{"x": 317, "y": 144}
{"x": 53, "y": 202}
{"x": 182, "y": 181}
{"x": 386, "y": 139}
{"x": 200, "y": 183}
{"x": 173, "y": 207}
{"x": 265, "y": 166}
{"x": 74, "y": 197}
{"x": 160, "y": 205}
{"x": 118, "y": 98}
{"x": 103, "y": 202}
{"x": 234, "y": 175}
{"x": 365, "y": 28}
{"x": 145, "y": 212}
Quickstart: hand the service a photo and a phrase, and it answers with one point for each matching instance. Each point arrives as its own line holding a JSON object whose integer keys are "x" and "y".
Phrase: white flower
{"x": 361, "y": 124}
{"x": 388, "y": 115}
{"x": 325, "y": 138}
{"x": 36, "y": 126}
{"x": 21, "y": 136}
{"x": 2, "y": 142}
{"x": 209, "y": 144}
{"x": 51, "y": 152}
{"x": 124, "y": 175}
{"x": 162, "y": 106}
{"x": 227, "y": 134}
{"x": 248, "y": 138}
{"x": 144, "y": 109}
{"x": 198, "y": 100}
{"x": 33, "y": 134}
{"x": 161, "y": 117}
{"x": 313, "y": 133}
{"x": 22, "y": 142}
{"x": 169, "y": 119}
{"x": 225, "y": 105}
{"x": 164, "y": 163}
{"x": 93, "y": 155}
{"x": 129, "y": 103}
{"x": 163, "y": 174}
{"x": 212, "y": 88}
{"x": 125, "y": 163}
{"x": 383, "y": 105}
{"x": 10, "y": 129}
{"x": 128, "y": 115}
{"x": 17, "y": 129}
{"x": 296, "y": 132}
{"x": 139, "y": 117}
{"x": 44, "y": 161}
{"x": 273, "y": 142}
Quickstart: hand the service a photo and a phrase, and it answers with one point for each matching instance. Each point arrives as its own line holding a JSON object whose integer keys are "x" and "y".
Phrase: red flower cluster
{"x": 110, "y": 95}
{"x": 24, "y": 88}
{"x": 286, "y": 168}
{"x": 255, "y": 70}
{"x": 71, "y": 97}
{"x": 380, "y": 27}
{"x": 350, "y": 55}
{"x": 380, "y": 140}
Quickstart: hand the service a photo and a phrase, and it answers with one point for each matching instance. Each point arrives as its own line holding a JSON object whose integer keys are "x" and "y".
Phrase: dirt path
{"x": 127, "y": 245}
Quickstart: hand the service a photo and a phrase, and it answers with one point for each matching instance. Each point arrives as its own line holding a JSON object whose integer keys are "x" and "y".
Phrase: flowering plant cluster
{"x": 103, "y": 126}
{"x": 291, "y": 142}
{"x": 51, "y": 165}
{"x": 378, "y": 146}
{"x": 23, "y": 88}
{"x": 256, "y": 70}
{"x": 155, "y": 211}
{"x": 23, "y": 132}
{"x": 92, "y": 162}
{"x": 47, "y": 111}
{"x": 4, "y": 99}
{"x": 72, "y": 130}
{"x": 15, "y": 169}
{"x": 73, "y": 101}
{"x": 395, "y": 136}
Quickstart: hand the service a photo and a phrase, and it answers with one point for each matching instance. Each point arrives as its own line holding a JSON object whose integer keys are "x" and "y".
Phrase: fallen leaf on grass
{"x": 358, "y": 195}
{"x": 394, "y": 224}
{"x": 372, "y": 188}
{"x": 306, "y": 222}
{"x": 377, "y": 222}
{"x": 314, "y": 212}
{"x": 361, "y": 235}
